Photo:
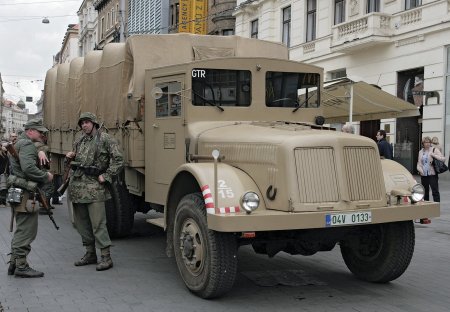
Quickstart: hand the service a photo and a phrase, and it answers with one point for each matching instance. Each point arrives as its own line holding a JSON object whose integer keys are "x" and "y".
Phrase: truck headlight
{"x": 418, "y": 192}
{"x": 250, "y": 201}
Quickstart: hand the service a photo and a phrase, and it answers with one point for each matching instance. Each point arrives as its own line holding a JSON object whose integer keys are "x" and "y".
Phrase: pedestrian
{"x": 25, "y": 173}
{"x": 13, "y": 137}
{"x": 428, "y": 175}
{"x": 4, "y": 172}
{"x": 435, "y": 144}
{"x": 96, "y": 160}
{"x": 384, "y": 148}
{"x": 348, "y": 128}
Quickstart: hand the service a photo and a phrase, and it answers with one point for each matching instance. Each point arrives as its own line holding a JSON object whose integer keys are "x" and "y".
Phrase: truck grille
{"x": 319, "y": 180}
{"x": 363, "y": 167}
{"x": 316, "y": 175}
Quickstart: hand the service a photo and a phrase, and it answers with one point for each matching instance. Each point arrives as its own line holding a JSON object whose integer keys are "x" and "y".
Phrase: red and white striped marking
{"x": 209, "y": 203}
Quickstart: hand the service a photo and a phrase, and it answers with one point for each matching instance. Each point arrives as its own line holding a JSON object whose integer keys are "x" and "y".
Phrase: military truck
{"x": 224, "y": 136}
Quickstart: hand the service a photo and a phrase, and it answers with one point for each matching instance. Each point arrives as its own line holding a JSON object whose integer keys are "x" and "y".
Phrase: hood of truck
{"x": 297, "y": 168}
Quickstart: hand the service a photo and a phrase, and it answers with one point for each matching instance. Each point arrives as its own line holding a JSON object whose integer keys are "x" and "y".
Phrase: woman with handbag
{"x": 429, "y": 176}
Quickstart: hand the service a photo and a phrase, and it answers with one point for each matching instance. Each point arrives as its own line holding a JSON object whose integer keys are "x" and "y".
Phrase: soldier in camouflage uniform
{"x": 26, "y": 220}
{"x": 44, "y": 163}
{"x": 96, "y": 160}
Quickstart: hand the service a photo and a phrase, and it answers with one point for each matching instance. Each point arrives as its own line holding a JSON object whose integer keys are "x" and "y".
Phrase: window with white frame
{"x": 373, "y": 6}
{"x": 339, "y": 11}
{"x": 311, "y": 20}
{"x": 336, "y": 74}
{"x": 254, "y": 29}
{"x": 287, "y": 26}
{"x": 411, "y": 4}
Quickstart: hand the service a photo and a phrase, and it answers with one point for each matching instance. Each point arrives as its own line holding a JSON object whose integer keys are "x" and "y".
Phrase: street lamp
{"x": 45, "y": 21}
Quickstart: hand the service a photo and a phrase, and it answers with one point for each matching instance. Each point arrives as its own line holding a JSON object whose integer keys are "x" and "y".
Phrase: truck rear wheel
{"x": 380, "y": 253}
{"x": 206, "y": 259}
{"x": 119, "y": 212}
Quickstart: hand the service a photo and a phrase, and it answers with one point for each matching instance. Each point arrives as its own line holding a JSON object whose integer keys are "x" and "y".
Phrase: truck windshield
{"x": 294, "y": 90}
{"x": 221, "y": 87}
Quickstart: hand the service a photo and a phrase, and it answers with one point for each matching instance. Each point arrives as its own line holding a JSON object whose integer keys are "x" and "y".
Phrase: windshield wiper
{"x": 208, "y": 101}
{"x": 304, "y": 102}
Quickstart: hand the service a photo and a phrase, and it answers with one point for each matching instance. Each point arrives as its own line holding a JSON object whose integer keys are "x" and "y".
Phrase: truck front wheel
{"x": 380, "y": 253}
{"x": 206, "y": 259}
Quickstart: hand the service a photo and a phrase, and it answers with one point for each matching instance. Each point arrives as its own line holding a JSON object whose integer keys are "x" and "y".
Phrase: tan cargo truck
{"x": 225, "y": 137}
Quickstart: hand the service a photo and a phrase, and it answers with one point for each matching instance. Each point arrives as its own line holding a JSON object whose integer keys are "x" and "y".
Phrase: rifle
{"x": 66, "y": 177}
{"x": 11, "y": 150}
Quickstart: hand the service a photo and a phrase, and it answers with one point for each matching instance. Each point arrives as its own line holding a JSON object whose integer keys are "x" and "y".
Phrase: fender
{"x": 199, "y": 177}
{"x": 232, "y": 183}
{"x": 396, "y": 176}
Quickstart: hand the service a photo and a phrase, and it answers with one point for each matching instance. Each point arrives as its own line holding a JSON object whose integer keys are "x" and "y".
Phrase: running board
{"x": 158, "y": 222}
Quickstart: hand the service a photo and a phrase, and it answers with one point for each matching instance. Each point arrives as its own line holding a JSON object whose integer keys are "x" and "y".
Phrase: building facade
{"x": 148, "y": 17}
{"x": 13, "y": 117}
{"x": 111, "y": 20}
{"x": 403, "y": 46}
{"x": 69, "y": 49}
{"x": 87, "y": 37}
{"x": 220, "y": 19}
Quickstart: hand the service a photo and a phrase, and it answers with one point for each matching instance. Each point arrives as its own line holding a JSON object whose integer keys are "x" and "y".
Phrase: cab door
{"x": 165, "y": 135}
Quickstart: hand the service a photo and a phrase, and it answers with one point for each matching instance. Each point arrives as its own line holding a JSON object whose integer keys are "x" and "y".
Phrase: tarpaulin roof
{"x": 369, "y": 102}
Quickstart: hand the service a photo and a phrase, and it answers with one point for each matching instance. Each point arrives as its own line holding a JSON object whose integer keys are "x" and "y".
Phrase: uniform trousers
{"x": 433, "y": 182}
{"x": 25, "y": 234}
{"x": 90, "y": 221}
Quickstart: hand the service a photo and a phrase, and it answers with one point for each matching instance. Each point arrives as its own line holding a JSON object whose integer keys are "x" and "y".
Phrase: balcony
{"x": 380, "y": 28}
{"x": 374, "y": 28}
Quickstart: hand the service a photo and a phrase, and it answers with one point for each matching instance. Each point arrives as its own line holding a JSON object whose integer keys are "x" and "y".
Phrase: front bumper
{"x": 274, "y": 220}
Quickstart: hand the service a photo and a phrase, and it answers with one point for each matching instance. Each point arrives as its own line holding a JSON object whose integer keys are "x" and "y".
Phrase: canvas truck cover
{"x": 110, "y": 83}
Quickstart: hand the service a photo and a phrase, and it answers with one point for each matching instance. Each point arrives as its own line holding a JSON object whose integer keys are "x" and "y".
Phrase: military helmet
{"x": 88, "y": 116}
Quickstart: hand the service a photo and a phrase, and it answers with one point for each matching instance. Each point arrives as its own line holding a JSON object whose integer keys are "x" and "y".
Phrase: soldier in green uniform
{"x": 44, "y": 163}
{"x": 25, "y": 170}
{"x": 96, "y": 160}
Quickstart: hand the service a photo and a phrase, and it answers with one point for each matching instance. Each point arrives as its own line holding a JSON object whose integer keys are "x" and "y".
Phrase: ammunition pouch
{"x": 19, "y": 200}
{"x": 15, "y": 195}
{"x": 15, "y": 181}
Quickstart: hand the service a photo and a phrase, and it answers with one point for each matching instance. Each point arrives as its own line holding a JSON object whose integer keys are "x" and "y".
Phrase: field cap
{"x": 35, "y": 124}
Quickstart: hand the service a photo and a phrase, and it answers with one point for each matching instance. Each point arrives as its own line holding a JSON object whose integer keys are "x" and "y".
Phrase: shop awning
{"x": 367, "y": 103}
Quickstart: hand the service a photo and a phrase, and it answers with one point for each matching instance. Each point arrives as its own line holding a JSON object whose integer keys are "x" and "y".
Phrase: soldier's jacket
{"x": 106, "y": 156}
{"x": 48, "y": 187}
{"x": 27, "y": 167}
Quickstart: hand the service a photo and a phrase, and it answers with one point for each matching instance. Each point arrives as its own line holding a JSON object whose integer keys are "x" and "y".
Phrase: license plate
{"x": 338, "y": 219}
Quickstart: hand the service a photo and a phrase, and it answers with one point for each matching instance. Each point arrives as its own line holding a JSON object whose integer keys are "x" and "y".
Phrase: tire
{"x": 119, "y": 211}
{"x": 206, "y": 259}
{"x": 380, "y": 253}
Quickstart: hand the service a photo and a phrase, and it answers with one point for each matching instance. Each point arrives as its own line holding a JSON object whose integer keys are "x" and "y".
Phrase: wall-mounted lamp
{"x": 45, "y": 21}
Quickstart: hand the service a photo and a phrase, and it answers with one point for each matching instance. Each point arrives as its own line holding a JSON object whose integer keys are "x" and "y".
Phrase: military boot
{"x": 106, "y": 261}
{"x": 24, "y": 270}
{"x": 90, "y": 257}
{"x": 12, "y": 265}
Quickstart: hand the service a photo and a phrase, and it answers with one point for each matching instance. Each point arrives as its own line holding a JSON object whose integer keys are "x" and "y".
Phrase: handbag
{"x": 439, "y": 166}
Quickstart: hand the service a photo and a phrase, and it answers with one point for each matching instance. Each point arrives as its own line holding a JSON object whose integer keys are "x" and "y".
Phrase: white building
{"x": 13, "y": 117}
{"x": 69, "y": 49}
{"x": 87, "y": 36}
{"x": 403, "y": 46}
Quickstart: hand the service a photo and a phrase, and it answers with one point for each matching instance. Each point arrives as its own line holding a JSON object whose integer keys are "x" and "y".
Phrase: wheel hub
{"x": 191, "y": 246}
